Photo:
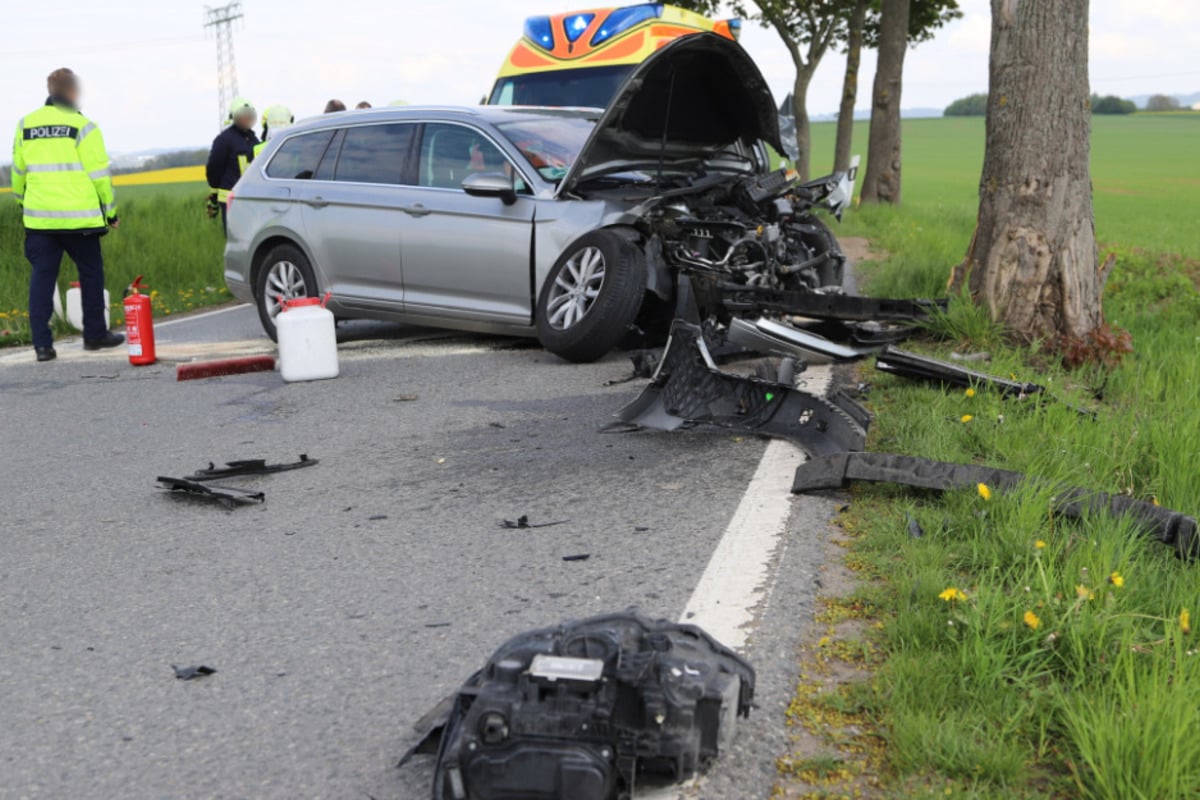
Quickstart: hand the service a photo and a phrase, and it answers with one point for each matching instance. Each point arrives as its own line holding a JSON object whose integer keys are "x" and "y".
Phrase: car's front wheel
{"x": 591, "y": 297}
{"x": 285, "y": 275}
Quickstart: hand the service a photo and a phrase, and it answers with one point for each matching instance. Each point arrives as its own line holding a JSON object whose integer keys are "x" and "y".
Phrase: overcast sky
{"x": 150, "y": 71}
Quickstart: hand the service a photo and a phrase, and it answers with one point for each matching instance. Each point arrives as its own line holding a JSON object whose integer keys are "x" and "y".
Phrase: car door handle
{"x": 416, "y": 210}
{"x": 317, "y": 202}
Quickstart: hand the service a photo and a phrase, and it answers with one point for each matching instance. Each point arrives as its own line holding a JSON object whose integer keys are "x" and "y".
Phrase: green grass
{"x": 1097, "y": 700}
{"x": 164, "y": 236}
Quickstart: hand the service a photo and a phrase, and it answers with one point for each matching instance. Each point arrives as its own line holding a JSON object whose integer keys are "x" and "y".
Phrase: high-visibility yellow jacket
{"x": 60, "y": 171}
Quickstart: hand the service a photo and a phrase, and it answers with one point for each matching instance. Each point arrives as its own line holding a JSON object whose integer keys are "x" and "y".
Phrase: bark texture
{"x": 882, "y": 181}
{"x": 845, "y": 122}
{"x": 1033, "y": 259}
{"x": 803, "y": 126}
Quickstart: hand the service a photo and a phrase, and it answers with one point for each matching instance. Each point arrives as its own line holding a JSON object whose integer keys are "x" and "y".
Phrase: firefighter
{"x": 232, "y": 151}
{"x": 60, "y": 176}
{"x": 275, "y": 118}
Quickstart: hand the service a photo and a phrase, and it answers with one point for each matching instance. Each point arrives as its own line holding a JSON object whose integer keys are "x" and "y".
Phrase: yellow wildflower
{"x": 952, "y": 594}
{"x": 1084, "y": 593}
{"x": 1039, "y": 544}
{"x": 1117, "y": 580}
{"x": 1032, "y": 620}
{"x": 1185, "y": 621}
{"x": 984, "y": 491}
{"x": 966, "y": 418}
{"x": 969, "y": 392}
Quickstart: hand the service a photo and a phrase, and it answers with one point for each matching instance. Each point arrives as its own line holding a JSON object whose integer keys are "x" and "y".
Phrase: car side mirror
{"x": 491, "y": 184}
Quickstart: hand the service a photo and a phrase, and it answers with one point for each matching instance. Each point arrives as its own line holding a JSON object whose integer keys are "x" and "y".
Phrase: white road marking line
{"x": 734, "y": 585}
{"x": 166, "y": 323}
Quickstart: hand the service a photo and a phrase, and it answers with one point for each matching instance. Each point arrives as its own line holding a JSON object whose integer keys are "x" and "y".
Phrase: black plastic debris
{"x": 915, "y": 531}
{"x": 688, "y": 387}
{"x": 910, "y": 365}
{"x": 256, "y": 466}
{"x": 522, "y": 522}
{"x": 838, "y": 471}
{"x": 585, "y": 710}
{"x": 191, "y": 673}
{"x": 228, "y": 496}
{"x": 829, "y": 305}
{"x": 578, "y": 557}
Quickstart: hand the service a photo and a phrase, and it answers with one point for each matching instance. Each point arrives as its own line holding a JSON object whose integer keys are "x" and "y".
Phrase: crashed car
{"x": 576, "y": 226}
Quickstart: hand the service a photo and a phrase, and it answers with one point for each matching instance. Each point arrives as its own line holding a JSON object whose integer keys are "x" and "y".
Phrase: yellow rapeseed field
{"x": 172, "y": 175}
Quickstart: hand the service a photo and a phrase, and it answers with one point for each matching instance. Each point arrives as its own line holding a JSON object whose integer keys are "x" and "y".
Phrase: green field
{"x": 164, "y": 236}
{"x": 1066, "y": 667}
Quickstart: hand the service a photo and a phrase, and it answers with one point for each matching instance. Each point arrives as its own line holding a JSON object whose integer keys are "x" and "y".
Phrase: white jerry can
{"x": 307, "y": 340}
{"x": 74, "y": 312}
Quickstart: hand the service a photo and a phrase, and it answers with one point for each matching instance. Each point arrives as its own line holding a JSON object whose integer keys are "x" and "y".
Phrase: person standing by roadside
{"x": 334, "y": 106}
{"x": 61, "y": 179}
{"x": 275, "y": 119}
{"x": 232, "y": 151}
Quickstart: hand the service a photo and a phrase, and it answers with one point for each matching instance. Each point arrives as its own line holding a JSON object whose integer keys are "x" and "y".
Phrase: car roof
{"x": 494, "y": 115}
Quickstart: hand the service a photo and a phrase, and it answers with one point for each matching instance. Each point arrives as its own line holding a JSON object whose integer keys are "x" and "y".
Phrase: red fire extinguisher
{"x": 139, "y": 326}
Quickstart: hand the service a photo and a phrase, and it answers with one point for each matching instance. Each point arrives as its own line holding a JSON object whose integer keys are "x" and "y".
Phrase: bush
{"x": 974, "y": 105}
{"x": 1162, "y": 102}
{"x": 1111, "y": 104}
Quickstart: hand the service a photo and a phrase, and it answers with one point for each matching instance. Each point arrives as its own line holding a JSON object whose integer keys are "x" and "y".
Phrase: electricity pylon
{"x": 220, "y": 20}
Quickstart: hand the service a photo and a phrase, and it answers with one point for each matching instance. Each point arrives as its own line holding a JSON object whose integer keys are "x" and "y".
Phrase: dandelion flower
{"x": 1084, "y": 593}
{"x": 1032, "y": 620}
{"x": 984, "y": 491}
{"x": 1117, "y": 580}
{"x": 952, "y": 594}
{"x": 969, "y": 392}
{"x": 1039, "y": 544}
{"x": 966, "y": 418}
{"x": 1185, "y": 621}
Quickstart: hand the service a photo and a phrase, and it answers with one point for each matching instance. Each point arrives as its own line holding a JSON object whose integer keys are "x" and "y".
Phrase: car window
{"x": 375, "y": 153}
{"x": 298, "y": 157}
{"x": 325, "y": 171}
{"x": 449, "y": 153}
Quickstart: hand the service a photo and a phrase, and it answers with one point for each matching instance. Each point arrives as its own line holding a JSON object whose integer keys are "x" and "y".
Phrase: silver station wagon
{"x": 572, "y": 225}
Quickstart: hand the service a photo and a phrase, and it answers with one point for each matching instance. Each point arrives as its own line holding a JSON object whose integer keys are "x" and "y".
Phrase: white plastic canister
{"x": 74, "y": 315}
{"x": 307, "y": 340}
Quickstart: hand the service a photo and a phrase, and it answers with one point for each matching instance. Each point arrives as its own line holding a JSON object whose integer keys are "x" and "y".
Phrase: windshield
{"x": 549, "y": 144}
{"x": 589, "y": 87}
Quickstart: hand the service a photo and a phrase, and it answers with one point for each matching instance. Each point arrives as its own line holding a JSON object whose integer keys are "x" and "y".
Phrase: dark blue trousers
{"x": 45, "y": 249}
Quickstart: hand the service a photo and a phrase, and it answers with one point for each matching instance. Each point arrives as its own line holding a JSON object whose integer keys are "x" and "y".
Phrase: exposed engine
{"x": 752, "y": 232}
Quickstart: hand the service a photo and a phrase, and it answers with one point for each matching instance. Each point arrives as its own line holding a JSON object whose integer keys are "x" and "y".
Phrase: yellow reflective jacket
{"x": 60, "y": 171}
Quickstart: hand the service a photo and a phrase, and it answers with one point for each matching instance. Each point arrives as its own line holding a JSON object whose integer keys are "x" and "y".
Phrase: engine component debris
{"x": 688, "y": 387}
{"x": 227, "y": 496}
{"x": 255, "y": 466}
{"x": 522, "y": 522}
{"x": 838, "y": 471}
{"x": 191, "y": 673}
{"x": 910, "y": 365}
{"x": 581, "y": 710}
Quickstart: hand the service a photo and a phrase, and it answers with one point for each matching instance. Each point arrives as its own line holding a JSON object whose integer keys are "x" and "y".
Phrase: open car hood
{"x": 699, "y": 94}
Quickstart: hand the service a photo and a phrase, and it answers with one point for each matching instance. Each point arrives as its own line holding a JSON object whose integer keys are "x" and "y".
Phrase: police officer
{"x": 232, "y": 151}
{"x": 275, "y": 119}
{"x": 60, "y": 177}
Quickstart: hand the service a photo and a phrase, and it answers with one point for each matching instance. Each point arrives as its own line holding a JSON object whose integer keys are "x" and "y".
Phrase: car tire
{"x": 284, "y": 272}
{"x": 591, "y": 297}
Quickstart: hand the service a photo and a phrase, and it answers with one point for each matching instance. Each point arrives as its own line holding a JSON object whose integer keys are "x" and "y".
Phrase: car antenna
{"x": 662, "y": 150}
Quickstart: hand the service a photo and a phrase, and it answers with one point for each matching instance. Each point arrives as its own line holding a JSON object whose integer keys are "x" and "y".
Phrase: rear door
{"x": 353, "y": 217}
{"x": 465, "y": 257}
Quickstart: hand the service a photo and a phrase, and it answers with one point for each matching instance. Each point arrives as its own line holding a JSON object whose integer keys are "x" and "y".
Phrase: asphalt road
{"x": 367, "y": 587}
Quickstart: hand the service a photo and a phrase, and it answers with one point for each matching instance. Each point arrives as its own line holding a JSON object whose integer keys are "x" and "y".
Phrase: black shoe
{"x": 45, "y": 353}
{"x": 109, "y": 341}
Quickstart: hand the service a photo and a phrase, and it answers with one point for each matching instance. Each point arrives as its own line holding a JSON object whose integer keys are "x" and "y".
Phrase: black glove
{"x": 212, "y": 208}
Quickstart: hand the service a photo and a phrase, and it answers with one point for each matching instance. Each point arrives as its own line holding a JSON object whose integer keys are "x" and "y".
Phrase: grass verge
{"x": 164, "y": 236}
{"x": 1024, "y": 655}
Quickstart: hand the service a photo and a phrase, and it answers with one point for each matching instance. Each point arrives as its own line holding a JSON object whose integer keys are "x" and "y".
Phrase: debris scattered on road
{"x": 404, "y": 398}
{"x": 99, "y": 377}
{"x": 255, "y": 466}
{"x": 579, "y": 557}
{"x": 596, "y": 704}
{"x": 838, "y": 471}
{"x": 499, "y": 425}
{"x": 227, "y": 496}
{"x": 645, "y": 363}
{"x": 191, "y": 673}
{"x": 199, "y": 370}
{"x": 915, "y": 531}
{"x": 689, "y": 388}
{"x": 376, "y": 517}
{"x": 523, "y": 522}
{"x": 437, "y": 624}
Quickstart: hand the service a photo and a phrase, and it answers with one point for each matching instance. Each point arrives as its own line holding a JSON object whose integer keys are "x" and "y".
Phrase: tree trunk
{"x": 1033, "y": 258}
{"x": 803, "y": 128}
{"x": 882, "y": 181}
{"x": 845, "y": 123}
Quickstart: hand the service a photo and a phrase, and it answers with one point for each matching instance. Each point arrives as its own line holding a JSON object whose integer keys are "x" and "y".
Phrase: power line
{"x": 221, "y": 20}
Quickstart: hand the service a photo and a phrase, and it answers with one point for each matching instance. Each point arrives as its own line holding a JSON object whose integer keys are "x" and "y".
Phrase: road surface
{"x": 367, "y": 587}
